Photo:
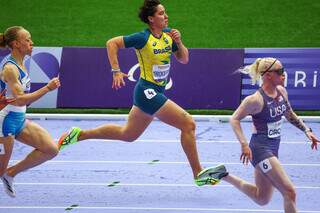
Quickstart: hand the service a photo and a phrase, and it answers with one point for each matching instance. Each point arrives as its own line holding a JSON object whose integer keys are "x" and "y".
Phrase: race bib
{"x": 274, "y": 129}
{"x": 160, "y": 72}
{"x": 149, "y": 93}
{"x": 265, "y": 165}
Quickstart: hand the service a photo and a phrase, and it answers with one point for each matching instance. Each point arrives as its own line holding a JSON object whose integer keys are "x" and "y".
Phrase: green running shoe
{"x": 211, "y": 175}
{"x": 69, "y": 138}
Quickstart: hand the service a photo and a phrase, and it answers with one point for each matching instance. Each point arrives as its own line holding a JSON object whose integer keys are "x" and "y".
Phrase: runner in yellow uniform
{"x": 154, "y": 47}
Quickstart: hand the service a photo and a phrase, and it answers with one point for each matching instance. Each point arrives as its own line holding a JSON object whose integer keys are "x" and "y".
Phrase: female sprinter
{"x": 266, "y": 106}
{"x": 154, "y": 47}
{"x": 14, "y": 78}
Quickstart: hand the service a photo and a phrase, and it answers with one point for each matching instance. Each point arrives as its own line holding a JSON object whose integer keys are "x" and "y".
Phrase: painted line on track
{"x": 154, "y": 209}
{"x": 117, "y": 183}
{"x": 178, "y": 141}
{"x": 317, "y": 164}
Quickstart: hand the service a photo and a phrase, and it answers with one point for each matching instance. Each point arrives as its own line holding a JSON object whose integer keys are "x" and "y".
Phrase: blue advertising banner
{"x": 302, "y": 74}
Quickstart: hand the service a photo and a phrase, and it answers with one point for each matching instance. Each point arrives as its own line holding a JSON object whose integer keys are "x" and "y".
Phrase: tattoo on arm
{"x": 294, "y": 120}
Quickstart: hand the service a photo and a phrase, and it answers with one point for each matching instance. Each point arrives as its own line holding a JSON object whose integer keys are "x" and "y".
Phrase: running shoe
{"x": 211, "y": 175}
{"x": 8, "y": 185}
{"x": 69, "y": 138}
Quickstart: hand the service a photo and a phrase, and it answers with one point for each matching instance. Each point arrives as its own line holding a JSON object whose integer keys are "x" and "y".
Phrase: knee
{"x": 129, "y": 138}
{"x": 263, "y": 198}
{"x": 52, "y": 151}
{"x": 189, "y": 125}
{"x": 290, "y": 194}
{"x": 263, "y": 201}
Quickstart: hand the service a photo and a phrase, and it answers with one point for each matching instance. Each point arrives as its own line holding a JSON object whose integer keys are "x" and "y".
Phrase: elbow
{"x": 233, "y": 121}
{"x": 112, "y": 45}
{"x": 109, "y": 43}
{"x": 184, "y": 60}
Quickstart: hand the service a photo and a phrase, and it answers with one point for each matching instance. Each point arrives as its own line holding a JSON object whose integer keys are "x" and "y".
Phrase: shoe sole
{"x": 213, "y": 181}
{"x": 9, "y": 192}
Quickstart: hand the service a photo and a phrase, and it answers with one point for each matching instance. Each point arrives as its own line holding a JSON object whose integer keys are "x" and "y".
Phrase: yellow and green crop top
{"x": 153, "y": 54}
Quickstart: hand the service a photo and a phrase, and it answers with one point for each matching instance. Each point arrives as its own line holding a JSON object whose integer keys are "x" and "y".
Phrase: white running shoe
{"x": 8, "y": 185}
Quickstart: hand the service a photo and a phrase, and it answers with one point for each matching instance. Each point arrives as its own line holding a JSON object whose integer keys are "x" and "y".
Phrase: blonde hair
{"x": 259, "y": 67}
{"x": 9, "y": 35}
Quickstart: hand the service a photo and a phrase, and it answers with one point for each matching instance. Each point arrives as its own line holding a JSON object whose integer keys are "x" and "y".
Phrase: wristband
{"x": 308, "y": 130}
{"x": 115, "y": 70}
{"x": 48, "y": 88}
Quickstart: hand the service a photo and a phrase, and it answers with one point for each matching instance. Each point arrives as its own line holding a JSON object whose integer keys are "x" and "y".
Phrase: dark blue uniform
{"x": 265, "y": 143}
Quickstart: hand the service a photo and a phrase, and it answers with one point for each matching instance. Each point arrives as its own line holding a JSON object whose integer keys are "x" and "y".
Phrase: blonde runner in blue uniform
{"x": 15, "y": 82}
{"x": 267, "y": 106}
{"x": 154, "y": 47}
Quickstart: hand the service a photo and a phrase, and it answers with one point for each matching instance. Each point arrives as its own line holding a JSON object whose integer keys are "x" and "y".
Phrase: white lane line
{"x": 161, "y": 162}
{"x": 198, "y": 141}
{"x": 186, "y": 209}
{"x": 137, "y": 185}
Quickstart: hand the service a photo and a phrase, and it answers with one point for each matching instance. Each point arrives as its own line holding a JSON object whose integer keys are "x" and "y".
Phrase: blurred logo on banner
{"x": 43, "y": 65}
{"x": 301, "y": 76}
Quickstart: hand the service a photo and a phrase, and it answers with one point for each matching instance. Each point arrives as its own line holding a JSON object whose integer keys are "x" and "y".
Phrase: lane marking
{"x": 198, "y": 141}
{"x": 71, "y": 207}
{"x": 317, "y": 164}
{"x": 155, "y": 208}
{"x": 153, "y": 161}
{"x": 136, "y": 184}
{"x": 114, "y": 183}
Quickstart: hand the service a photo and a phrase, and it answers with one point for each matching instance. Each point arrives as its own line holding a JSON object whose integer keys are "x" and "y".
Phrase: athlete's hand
{"x": 314, "y": 140}
{"x": 5, "y": 101}
{"x": 246, "y": 154}
{"x": 53, "y": 83}
{"x": 118, "y": 81}
{"x": 175, "y": 35}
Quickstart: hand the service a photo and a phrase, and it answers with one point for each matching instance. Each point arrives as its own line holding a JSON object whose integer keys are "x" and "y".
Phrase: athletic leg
{"x": 45, "y": 148}
{"x": 137, "y": 122}
{"x": 172, "y": 114}
{"x": 260, "y": 192}
{"x": 6, "y": 146}
{"x": 282, "y": 182}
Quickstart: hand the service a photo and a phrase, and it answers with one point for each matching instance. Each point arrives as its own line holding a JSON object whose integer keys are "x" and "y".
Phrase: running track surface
{"x": 152, "y": 174}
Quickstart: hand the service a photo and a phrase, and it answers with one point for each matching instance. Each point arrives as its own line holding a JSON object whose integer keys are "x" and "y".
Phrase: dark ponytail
{"x": 148, "y": 8}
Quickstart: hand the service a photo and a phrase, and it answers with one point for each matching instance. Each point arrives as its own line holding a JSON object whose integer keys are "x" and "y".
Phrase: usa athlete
{"x": 154, "y": 47}
{"x": 267, "y": 106}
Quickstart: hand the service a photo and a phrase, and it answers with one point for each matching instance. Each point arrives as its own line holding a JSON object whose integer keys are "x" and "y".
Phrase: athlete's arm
{"x": 292, "y": 117}
{"x": 249, "y": 106}
{"x": 113, "y": 45}
{"x": 290, "y": 114}
{"x": 11, "y": 77}
{"x": 182, "y": 54}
